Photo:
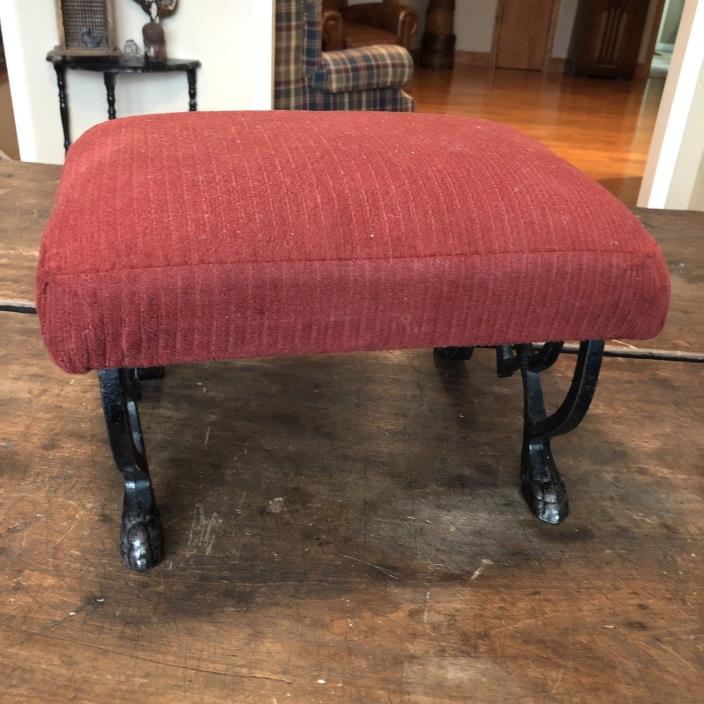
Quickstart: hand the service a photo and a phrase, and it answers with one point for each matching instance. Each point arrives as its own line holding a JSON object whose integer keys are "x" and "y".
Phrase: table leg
{"x": 63, "y": 103}
{"x": 110, "y": 88}
{"x": 192, "y": 104}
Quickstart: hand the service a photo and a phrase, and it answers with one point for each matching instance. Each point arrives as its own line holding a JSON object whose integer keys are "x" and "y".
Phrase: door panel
{"x": 607, "y": 37}
{"x": 523, "y": 34}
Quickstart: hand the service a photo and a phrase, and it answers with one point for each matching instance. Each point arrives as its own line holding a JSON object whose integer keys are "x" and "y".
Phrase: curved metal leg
{"x": 452, "y": 353}
{"x": 541, "y": 484}
{"x": 141, "y": 540}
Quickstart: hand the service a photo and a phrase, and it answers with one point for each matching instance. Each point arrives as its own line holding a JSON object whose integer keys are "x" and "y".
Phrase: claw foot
{"x": 543, "y": 488}
{"x": 141, "y": 542}
{"x": 547, "y": 500}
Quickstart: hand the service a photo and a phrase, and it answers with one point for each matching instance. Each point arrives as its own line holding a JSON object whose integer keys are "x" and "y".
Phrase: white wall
{"x": 686, "y": 187}
{"x": 696, "y": 200}
{"x": 474, "y": 24}
{"x": 670, "y": 21}
{"x": 232, "y": 39}
{"x": 673, "y": 173}
{"x": 563, "y": 28}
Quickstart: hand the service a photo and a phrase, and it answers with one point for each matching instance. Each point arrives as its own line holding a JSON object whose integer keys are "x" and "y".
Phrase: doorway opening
{"x": 667, "y": 33}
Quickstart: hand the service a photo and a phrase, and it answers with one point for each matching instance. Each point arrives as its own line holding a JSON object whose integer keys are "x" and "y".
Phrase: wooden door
{"x": 524, "y": 28}
{"x": 607, "y": 36}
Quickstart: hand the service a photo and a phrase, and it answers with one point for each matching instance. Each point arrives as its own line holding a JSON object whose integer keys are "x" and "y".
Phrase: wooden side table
{"x": 110, "y": 67}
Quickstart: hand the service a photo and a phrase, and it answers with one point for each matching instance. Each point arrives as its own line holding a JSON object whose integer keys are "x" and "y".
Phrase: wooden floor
{"x": 601, "y": 126}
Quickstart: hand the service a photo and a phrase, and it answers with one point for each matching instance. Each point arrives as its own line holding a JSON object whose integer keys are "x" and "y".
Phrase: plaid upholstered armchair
{"x": 307, "y": 78}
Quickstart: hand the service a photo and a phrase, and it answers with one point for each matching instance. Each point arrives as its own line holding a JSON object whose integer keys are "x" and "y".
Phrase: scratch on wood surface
{"x": 381, "y": 569}
{"x": 239, "y": 508}
{"x": 556, "y": 684}
{"x": 70, "y": 528}
{"x": 677, "y": 655}
{"x": 481, "y": 568}
{"x": 202, "y": 534}
{"x": 625, "y": 344}
{"x": 135, "y": 656}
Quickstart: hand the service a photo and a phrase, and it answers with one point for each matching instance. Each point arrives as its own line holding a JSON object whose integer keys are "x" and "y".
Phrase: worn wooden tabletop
{"x": 347, "y": 528}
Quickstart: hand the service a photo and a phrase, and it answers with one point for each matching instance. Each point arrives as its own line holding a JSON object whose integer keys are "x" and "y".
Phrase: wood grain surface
{"x": 524, "y": 27}
{"x": 26, "y": 198}
{"x": 348, "y": 528}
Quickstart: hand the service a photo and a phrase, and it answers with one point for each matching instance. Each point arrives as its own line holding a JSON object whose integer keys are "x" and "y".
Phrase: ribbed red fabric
{"x": 203, "y": 236}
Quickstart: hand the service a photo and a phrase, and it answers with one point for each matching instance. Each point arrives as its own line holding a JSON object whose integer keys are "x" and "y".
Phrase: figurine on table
{"x": 153, "y": 32}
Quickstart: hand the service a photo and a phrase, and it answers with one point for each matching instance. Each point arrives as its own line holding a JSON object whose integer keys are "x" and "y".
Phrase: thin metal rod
{"x": 638, "y": 353}
{"x": 625, "y": 352}
{"x": 18, "y": 307}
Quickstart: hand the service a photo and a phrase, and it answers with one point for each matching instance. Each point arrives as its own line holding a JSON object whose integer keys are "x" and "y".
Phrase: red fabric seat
{"x": 202, "y": 236}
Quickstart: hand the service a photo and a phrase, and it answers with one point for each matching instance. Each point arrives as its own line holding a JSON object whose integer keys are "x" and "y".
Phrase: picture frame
{"x": 86, "y": 28}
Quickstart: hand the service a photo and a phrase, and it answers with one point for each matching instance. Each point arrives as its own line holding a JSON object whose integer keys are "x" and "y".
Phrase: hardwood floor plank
{"x": 601, "y": 126}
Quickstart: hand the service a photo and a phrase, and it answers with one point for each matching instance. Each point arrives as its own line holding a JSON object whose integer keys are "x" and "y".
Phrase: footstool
{"x": 210, "y": 236}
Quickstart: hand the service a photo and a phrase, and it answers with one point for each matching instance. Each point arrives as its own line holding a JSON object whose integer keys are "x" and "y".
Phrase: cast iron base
{"x": 141, "y": 541}
{"x": 541, "y": 484}
{"x": 451, "y": 353}
{"x": 141, "y": 538}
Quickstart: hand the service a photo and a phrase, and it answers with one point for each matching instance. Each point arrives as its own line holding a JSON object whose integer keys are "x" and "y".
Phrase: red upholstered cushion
{"x": 191, "y": 237}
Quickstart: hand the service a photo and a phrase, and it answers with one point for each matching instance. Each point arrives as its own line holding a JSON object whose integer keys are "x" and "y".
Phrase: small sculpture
{"x": 153, "y": 33}
{"x": 154, "y": 42}
{"x": 88, "y": 39}
{"x": 131, "y": 50}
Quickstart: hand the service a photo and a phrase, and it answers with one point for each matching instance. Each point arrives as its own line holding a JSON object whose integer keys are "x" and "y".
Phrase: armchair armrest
{"x": 397, "y": 19}
{"x": 363, "y": 69}
{"x": 333, "y": 31}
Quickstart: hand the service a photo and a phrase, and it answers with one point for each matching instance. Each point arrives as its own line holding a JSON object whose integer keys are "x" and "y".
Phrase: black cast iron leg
{"x": 541, "y": 484}
{"x": 453, "y": 353}
{"x": 63, "y": 104}
{"x": 110, "y": 90}
{"x": 141, "y": 540}
{"x": 149, "y": 373}
{"x": 192, "y": 103}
